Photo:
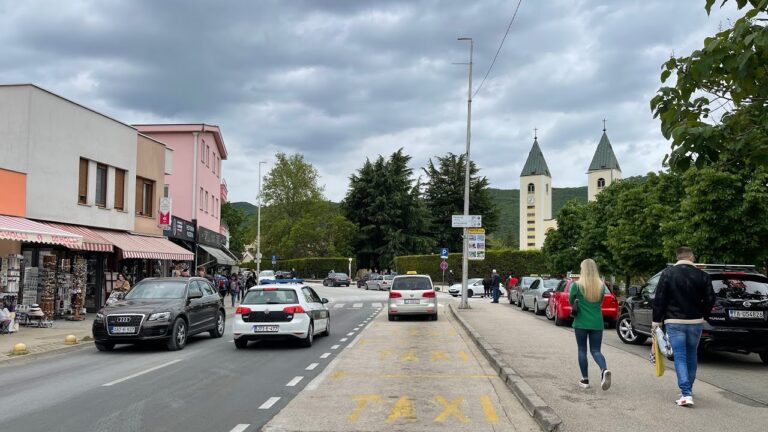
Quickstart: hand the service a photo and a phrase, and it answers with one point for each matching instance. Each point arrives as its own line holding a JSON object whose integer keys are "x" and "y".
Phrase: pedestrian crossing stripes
{"x": 357, "y": 305}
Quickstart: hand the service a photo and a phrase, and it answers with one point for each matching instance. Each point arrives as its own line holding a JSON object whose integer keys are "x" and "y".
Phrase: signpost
{"x": 466, "y": 221}
{"x": 274, "y": 260}
{"x": 476, "y": 244}
{"x": 444, "y": 253}
{"x": 444, "y": 264}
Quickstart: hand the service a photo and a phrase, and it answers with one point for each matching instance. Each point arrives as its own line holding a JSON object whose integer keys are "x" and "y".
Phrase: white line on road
{"x": 312, "y": 366}
{"x": 294, "y": 381}
{"x": 357, "y": 305}
{"x": 111, "y": 383}
{"x": 356, "y": 328}
{"x": 338, "y": 305}
{"x": 335, "y": 347}
{"x": 376, "y": 305}
{"x": 326, "y": 355}
{"x": 268, "y": 404}
{"x": 240, "y": 428}
{"x": 351, "y": 334}
{"x": 343, "y": 340}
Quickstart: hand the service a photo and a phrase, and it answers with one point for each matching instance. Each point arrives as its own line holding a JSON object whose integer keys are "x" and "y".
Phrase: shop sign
{"x": 23, "y": 236}
{"x": 180, "y": 229}
{"x": 210, "y": 238}
{"x": 165, "y": 211}
{"x": 476, "y": 238}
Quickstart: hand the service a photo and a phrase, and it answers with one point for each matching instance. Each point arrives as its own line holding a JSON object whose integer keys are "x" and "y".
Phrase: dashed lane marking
{"x": 268, "y": 404}
{"x": 343, "y": 340}
{"x": 335, "y": 347}
{"x": 240, "y": 428}
{"x": 351, "y": 333}
{"x": 376, "y": 305}
{"x": 294, "y": 381}
{"x": 338, "y": 305}
{"x": 326, "y": 355}
{"x": 357, "y": 306}
{"x": 356, "y": 328}
{"x": 312, "y": 366}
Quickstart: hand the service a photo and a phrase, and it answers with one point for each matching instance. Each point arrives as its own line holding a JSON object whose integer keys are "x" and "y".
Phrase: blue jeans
{"x": 684, "y": 339}
{"x": 234, "y": 297}
{"x": 595, "y": 338}
{"x": 496, "y": 294}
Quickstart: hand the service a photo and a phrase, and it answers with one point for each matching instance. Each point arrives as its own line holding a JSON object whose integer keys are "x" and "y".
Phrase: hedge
{"x": 309, "y": 268}
{"x": 504, "y": 261}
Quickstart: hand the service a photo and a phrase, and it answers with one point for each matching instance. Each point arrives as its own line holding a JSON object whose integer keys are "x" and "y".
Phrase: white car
{"x": 266, "y": 275}
{"x": 412, "y": 295}
{"x": 281, "y": 311}
{"x": 474, "y": 288}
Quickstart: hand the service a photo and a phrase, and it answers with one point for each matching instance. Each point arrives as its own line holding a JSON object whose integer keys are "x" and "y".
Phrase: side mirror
{"x": 324, "y": 300}
{"x": 632, "y": 291}
{"x": 195, "y": 295}
{"x": 547, "y": 294}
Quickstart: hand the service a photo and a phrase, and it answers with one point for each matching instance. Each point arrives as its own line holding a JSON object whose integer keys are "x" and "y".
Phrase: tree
{"x": 291, "y": 183}
{"x": 561, "y": 245}
{"x": 444, "y": 196}
{"x": 234, "y": 218}
{"x": 718, "y": 105}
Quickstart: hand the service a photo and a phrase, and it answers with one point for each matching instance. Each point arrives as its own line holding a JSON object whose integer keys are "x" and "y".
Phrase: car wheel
{"x": 241, "y": 343}
{"x": 327, "y": 331}
{"x": 536, "y": 309}
{"x": 307, "y": 341}
{"x": 325, "y": 283}
{"x": 626, "y": 333}
{"x": 178, "y": 335}
{"x": 104, "y": 346}
{"x": 523, "y": 306}
{"x": 558, "y": 321}
{"x": 764, "y": 357}
{"x": 218, "y": 331}
{"x": 548, "y": 312}
{"x": 470, "y": 293}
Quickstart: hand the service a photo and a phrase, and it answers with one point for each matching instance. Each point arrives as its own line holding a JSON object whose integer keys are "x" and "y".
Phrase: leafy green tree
{"x": 291, "y": 183}
{"x": 234, "y": 218}
{"x": 718, "y": 105}
{"x": 561, "y": 246}
{"x": 444, "y": 196}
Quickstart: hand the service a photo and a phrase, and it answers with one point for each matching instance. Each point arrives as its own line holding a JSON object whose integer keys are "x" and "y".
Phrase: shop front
{"x": 212, "y": 252}
{"x": 182, "y": 233}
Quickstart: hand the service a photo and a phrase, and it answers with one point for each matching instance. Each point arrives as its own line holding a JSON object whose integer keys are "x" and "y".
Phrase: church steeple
{"x": 535, "y": 164}
{"x": 604, "y": 168}
{"x": 535, "y": 199}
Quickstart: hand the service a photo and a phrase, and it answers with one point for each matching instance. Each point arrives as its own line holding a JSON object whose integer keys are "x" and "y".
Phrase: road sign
{"x": 274, "y": 259}
{"x": 443, "y": 265}
{"x": 444, "y": 253}
{"x": 476, "y": 244}
{"x": 466, "y": 221}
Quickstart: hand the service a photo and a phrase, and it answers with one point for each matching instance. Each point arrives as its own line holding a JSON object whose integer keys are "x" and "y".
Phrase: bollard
{"x": 19, "y": 349}
{"x": 70, "y": 340}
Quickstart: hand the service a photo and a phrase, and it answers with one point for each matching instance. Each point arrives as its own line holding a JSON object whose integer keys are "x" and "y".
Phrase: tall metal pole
{"x": 464, "y": 262}
{"x": 258, "y": 229}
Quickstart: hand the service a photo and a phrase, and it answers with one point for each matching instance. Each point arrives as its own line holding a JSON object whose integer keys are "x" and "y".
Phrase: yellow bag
{"x": 656, "y": 357}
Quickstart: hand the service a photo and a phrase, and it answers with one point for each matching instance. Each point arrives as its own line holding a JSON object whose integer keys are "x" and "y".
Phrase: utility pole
{"x": 258, "y": 229}
{"x": 464, "y": 262}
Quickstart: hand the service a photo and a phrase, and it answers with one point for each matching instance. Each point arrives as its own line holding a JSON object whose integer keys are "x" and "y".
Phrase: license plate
{"x": 122, "y": 330}
{"x": 265, "y": 328}
{"x": 412, "y": 301}
{"x": 742, "y": 314}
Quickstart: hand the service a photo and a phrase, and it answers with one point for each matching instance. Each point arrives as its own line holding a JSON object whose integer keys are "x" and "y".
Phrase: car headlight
{"x": 160, "y": 316}
{"x": 99, "y": 316}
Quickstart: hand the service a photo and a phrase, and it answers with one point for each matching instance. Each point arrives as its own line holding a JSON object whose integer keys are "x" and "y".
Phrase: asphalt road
{"x": 740, "y": 374}
{"x": 208, "y": 386}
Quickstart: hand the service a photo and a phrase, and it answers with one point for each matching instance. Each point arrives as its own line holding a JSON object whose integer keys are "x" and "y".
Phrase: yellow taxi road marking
{"x": 326, "y": 355}
{"x": 362, "y": 401}
{"x": 410, "y": 356}
{"x": 338, "y": 375}
{"x": 438, "y": 355}
{"x": 335, "y": 347}
{"x": 312, "y": 366}
{"x": 268, "y": 404}
{"x": 403, "y": 409}
{"x": 240, "y": 428}
{"x": 363, "y": 342}
{"x": 383, "y": 355}
{"x": 451, "y": 408}
{"x": 488, "y": 410}
{"x": 137, "y": 374}
{"x": 463, "y": 356}
{"x": 294, "y": 381}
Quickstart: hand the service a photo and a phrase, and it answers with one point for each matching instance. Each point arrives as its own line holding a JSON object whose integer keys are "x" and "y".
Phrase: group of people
{"x": 234, "y": 285}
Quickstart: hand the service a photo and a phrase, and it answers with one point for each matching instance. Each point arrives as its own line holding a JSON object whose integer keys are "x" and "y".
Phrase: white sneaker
{"x": 685, "y": 401}
{"x": 584, "y": 383}
{"x": 605, "y": 381}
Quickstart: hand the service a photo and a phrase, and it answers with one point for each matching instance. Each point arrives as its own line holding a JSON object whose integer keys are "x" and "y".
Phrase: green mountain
{"x": 248, "y": 208}
{"x": 508, "y": 202}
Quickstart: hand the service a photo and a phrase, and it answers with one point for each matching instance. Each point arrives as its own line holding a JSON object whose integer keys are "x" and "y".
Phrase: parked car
{"x": 373, "y": 281}
{"x": 736, "y": 323}
{"x": 281, "y": 311}
{"x": 361, "y": 282}
{"x": 559, "y": 308}
{"x": 536, "y": 296}
{"x": 386, "y": 282}
{"x": 412, "y": 295}
{"x": 474, "y": 287}
{"x": 336, "y": 279}
{"x": 161, "y": 309}
{"x": 514, "y": 294}
{"x": 266, "y": 275}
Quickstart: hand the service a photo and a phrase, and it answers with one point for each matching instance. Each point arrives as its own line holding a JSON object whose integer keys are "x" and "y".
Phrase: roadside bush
{"x": 505, "y": 261}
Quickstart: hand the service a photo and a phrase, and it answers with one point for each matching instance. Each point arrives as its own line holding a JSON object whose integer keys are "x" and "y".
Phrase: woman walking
{"x": 588, "y": 324}
{"x": 234, "y": 289}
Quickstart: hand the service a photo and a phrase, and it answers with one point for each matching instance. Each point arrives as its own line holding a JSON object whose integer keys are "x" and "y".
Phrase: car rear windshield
{"x": 279, "y": 296}
{"x": 340, "y": 275}
{"x": 157, "y": 290}
{"x": 551, "y": 283}
{"x": 389, "y": 277}
{"x": 411, "y": 283}
{"x": 740, "y": 286}
{"x": 528, "y": 280}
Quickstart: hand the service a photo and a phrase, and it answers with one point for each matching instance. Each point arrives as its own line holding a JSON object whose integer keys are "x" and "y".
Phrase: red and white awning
{"x": 25, "y": 230}
{"x": 145, "y": 247}
{"x": 91, "y": 240}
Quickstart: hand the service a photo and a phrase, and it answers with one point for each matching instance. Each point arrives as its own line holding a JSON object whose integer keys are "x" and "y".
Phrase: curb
{"x": 8, "y": 360}
{"x": 542, "y": 413}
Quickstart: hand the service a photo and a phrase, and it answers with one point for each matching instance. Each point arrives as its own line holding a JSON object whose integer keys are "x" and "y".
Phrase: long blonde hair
{"x": 590, "y": 280}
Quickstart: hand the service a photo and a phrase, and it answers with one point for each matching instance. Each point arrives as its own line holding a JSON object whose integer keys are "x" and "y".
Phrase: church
{"x": 536, "y": 190}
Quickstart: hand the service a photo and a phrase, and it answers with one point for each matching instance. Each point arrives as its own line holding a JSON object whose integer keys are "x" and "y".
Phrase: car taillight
{"x": 394, "y": 294}
{"x": 241, "y": 310}
{"x": 269, "y": 289}
{"x": 429, "y": 294}
{"x": 293, "y": 309}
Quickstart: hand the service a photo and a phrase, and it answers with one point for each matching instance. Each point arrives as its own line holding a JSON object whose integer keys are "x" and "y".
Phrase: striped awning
{"x": 221, "y": 257}
{"x": 25, "y": 230}
{"x": 91, "y": 241}
{"x": 145, "y": 247}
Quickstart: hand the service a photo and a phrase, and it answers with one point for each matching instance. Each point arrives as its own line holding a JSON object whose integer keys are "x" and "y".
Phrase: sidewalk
{"x": 544, "y": 356}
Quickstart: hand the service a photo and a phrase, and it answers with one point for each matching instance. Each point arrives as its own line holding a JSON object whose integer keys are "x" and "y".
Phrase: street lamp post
{"x": 350, "y": 268}
{"x": 464, "y": 262}
{"x": 258, "y": 228}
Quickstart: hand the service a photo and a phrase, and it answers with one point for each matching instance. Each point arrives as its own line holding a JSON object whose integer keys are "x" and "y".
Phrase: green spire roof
{"x": 535, "y": 165}
{"x": 604, "y": 157}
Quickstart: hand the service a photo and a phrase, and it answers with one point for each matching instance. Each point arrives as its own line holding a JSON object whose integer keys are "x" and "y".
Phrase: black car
{"x": 336, "y": 279}
{"x": 362, "y": 281}
{"x": 738, "y": 322}
{"x": 161, "y": 309}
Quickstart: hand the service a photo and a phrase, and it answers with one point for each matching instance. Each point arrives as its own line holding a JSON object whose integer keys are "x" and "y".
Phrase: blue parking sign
{"x": 443, "y": 253}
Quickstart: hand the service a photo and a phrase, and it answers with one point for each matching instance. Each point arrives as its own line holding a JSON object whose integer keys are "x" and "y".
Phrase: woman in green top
{"x": 588, "y": 324}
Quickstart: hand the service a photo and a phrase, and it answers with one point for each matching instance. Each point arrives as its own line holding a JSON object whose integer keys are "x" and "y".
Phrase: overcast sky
{"x": 341, "y": 81}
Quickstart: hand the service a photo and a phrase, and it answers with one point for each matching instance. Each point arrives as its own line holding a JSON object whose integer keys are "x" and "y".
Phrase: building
{"x": 536, "y": 190}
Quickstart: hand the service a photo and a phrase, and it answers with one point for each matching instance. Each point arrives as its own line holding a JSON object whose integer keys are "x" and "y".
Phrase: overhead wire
{"x": 498, "y": 50}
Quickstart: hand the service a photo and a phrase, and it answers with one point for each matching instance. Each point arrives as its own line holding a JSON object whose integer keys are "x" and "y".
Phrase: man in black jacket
{"x": 684, "y": 296}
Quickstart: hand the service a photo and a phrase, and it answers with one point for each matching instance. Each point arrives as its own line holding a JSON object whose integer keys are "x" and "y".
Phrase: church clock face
{"x": 531, "y": 199}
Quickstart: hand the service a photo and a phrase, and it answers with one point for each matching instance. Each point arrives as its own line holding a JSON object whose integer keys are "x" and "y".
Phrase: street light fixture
{"x": 258, "y": 228}
{"x": 464, "y": 263}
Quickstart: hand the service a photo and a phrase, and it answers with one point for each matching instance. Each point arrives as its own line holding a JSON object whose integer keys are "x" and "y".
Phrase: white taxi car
{"x": 412, "y": 294}
{"x": 281, "y": 311}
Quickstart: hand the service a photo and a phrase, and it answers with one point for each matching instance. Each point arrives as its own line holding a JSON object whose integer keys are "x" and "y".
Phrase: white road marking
{"x": 268, "y": 404}
{"x": 312, "y": 366}
{"x": 356, "y": 328}
{"x": 343, "y": 340}
{"x": 294, "y": 381}
{"x": 357, "y": 305}
{"x": 338, "y": 305}
{"x": 351, "y": 334}
{"x": 335, "y": 347}
{"x": 376, "y": 305}
{"x": 326, "y": 355}
{"x": 240, "y": 428}
{"x": 111, "y": 383}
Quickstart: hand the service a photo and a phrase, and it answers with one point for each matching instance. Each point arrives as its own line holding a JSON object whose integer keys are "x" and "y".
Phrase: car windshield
{"x": 528, "y": 280}
{"x": 740, "y": 287}
{"x": 389, "y": 277}
{"x": 157, "y": 289}
{"x": 278, "y": 296}
{"x": 551, "y": 283}
{"x": 411, "y": 283}
{"x": 267, "y": 273}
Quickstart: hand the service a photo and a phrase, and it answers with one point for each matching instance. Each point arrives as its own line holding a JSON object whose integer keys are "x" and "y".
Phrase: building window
{"x": 547, "y": 187}
{"x": 531, "y": 214}
{"x": 531, "y": 207}
{"x": 167, "y": 191}
{"x": 202, "y": 151}
{"x": 82, "y": 186}
{"x": 119, "y": 189}
{"x": 216, "y": 209}
{"x": 531, "y": 222}
{"x": 101, "y": 185}
{"x": 208, "y": 156}
{"x": 600, "y": 183}
{"x": 531, "y": 229}
{"x": 206, "y": 201}
{"x": 219, "y": 171}
{"x": 201, "y": 198}
{"x": 145, "y": 193}
{"x": 531, "y": 237}
{"x": 531, "y": 188}
{"x": 531, "y": 244}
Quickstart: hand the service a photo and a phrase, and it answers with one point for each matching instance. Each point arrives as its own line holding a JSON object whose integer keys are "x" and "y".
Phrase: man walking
{"x": 684, "y": 295}
{"x": 495, "y": 282}
{"x": 451, "y": 278}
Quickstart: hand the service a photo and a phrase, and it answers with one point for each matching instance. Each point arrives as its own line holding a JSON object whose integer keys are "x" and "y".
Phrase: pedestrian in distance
{"x": 684, "y": 295}
{"x": 451, "y": 278}
{"x": 588, "y": 324}
{"x": 487, "y": 286}
{"x": 495, "y": 282}
{"x": 234, "y": 289}
{"x": 512, "y": 281}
